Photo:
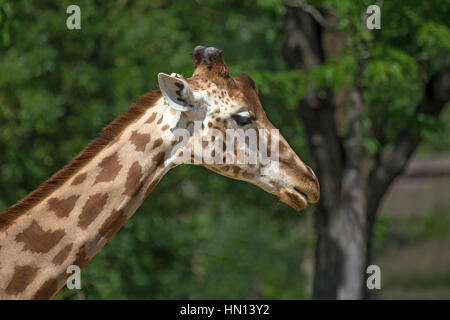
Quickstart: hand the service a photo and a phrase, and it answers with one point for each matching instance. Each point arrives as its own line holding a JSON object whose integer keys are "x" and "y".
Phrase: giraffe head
{"x": 226, "y": 130}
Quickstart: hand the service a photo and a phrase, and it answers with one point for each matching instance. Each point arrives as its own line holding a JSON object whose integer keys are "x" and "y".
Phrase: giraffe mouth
{"x": 301, "y": 194}
{"x": 294, "y": 198}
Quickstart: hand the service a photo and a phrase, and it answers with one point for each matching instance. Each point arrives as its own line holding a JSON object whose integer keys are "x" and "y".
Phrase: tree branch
{"x": 395, "y": 156}
{"x": 316, "y": 14}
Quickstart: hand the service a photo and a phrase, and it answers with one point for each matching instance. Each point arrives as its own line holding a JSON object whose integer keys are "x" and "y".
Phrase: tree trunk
{"x": 351, "y": 189}
{"x": 340, "y": 217}
{"x": 342, "y": 226}
{"x": 340, "y": 252}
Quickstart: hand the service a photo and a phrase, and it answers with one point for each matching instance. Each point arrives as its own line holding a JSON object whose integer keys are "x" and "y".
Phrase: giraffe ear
{"x": 177, "y": 92}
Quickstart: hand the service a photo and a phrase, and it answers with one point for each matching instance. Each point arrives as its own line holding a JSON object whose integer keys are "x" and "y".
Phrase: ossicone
{"x": 209, "y": 58}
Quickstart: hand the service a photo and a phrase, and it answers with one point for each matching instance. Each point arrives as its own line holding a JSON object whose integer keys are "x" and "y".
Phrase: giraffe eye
{"x": 242, "y": 118}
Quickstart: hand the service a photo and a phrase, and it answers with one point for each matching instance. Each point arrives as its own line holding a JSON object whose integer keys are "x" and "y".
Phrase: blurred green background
{"x": 200, "y": 235}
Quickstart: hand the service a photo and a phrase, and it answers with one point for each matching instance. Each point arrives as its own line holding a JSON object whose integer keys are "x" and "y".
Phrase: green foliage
{"x": 391, "y": 64}
{"x": 436, "y": 225}
{"x": 381, "y": 232}
{"x": 438, "y": 140}
{"x": 396, "y": 74}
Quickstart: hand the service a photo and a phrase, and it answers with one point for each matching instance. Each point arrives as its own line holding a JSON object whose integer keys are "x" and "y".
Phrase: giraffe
{"x": 71, "y": 216}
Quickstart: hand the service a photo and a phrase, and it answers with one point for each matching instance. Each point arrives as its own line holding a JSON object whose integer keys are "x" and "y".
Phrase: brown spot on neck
{"x": 110, "y": 169}
{"x": 47, "y": 290}
{"x": 151, "y": 118}
{"x": 79, "y": 179}
{"x": 62, "y": 255}
{"x": 92, "y": 209}
{"x": 23, "y": 276}
{"x": 140, "y": 141}
{"x": 81, "y": 258}
{"x": 159, "y": 158}
{"x": 62, "y": 208}
{"x": 37, "y": 240}
{"x": 151, "y": 187}
{"x": 112, "y": 224}
{"x": 157, "y": 143}
{"x": 133, "y": 178}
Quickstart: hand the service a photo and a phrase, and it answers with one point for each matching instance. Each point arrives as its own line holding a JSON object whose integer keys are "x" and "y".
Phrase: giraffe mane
{"x": 108, "y": 133}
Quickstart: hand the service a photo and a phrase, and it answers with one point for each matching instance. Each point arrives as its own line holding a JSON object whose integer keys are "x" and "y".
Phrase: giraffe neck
{"x": 72, "y": 223}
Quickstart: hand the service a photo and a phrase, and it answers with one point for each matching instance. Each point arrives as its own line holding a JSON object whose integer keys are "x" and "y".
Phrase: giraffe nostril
{"x": 311, "y": 172}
